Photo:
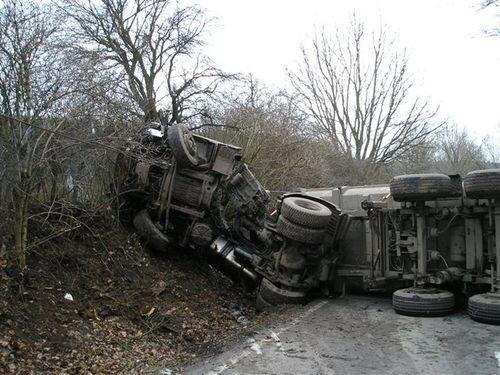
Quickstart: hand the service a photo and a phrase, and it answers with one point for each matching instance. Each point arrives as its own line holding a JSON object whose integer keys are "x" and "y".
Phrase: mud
{"x": 130, "y": 311}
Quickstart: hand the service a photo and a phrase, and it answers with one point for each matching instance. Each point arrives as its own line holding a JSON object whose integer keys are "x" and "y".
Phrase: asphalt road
{"x": 362, "y": 335}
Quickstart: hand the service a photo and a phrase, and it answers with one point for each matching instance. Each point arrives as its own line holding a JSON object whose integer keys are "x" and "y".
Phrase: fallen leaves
{"x": 158, "y": 288}
{"x": 133, "y": 311}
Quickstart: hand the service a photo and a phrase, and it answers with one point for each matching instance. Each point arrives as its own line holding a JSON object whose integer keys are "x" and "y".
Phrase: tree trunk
{"x": 21, "y": 229}
{"x": 21, "y": 197}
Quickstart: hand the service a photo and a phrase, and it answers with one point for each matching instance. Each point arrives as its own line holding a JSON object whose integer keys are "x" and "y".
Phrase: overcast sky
{"x": 454, "y": 63}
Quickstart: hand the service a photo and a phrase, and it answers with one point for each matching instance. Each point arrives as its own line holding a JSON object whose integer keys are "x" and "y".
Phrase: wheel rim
{"x": 183, "y": 145}
{"x": 188, "y": 142}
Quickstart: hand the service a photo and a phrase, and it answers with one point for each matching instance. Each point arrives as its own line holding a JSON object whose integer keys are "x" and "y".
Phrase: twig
{"x": 52, "y": 236}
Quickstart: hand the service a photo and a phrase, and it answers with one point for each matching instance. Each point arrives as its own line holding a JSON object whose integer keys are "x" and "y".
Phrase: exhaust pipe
{"x": 225, "y": 256}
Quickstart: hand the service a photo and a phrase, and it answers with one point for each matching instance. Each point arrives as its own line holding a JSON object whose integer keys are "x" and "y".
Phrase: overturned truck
{"x": 426, "y": 238}
{"x": 193, "y": 193}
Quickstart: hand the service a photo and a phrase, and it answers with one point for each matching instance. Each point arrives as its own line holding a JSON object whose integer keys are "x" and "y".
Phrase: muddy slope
{"x": 94, "y": 300}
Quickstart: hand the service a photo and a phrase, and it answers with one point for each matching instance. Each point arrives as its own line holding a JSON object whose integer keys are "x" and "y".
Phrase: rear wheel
{"x": 128, "y": 199}
{"x": 423, "y": 302}
{"x": 485, "y": 308}
{"x": 299, "y": 233}
{"x": 305, "y": 212}
{"x": 482, "y": 184}
{"x": 416, "y": 187}
{"x": 148, "y": 231}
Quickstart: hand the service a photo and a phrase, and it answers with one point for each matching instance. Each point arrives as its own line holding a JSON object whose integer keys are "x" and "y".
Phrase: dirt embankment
{"x": 96, "y": 301}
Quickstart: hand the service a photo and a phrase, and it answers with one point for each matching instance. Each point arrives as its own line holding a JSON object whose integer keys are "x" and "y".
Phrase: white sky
{"x": 454, "y": 63}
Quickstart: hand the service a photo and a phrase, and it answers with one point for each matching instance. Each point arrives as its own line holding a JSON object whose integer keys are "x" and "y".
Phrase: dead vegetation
{"x": 130, "y": 311}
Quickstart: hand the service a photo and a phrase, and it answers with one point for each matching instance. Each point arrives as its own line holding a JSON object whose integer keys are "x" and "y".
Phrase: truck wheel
{"x": 305, "y": 212}
{"x": 270, "y": 295}
{"x": 416, "y": 187}
{"x": 299, "y": 233}
{"x": 127, "y": 198}
{"x": 482, "y": 184}
{"x": 485, "y": 308}
{"x": 123, "y": 165}
{"x": 183, "y": 145}
{"x": 128, "y": 205}
{"x": 148, "y": 231}
{"x": 423, "y": 302}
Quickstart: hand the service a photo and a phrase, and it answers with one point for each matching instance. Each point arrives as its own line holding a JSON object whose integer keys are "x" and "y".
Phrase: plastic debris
{"x": 238, "y": 316}
{"x": 68, "y": 297}
{"x": 242, "y": 319}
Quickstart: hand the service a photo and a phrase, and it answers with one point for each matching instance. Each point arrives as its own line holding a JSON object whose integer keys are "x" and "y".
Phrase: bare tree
{"x": 452, "y": 151}
{"x": 358, "y": 93}
{"x": 491, "y": 147}
{"x": 489, "y": 3}
{"x": 31, "y": 82}
{"x": 155, "y": 44}
{"x": 418, "y": 159}
{"x": 458, "y": 153}
{"x": 268, "y": 126}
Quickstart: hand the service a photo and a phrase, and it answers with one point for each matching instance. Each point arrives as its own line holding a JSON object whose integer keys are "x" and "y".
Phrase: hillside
{"x": 131, "y": 311}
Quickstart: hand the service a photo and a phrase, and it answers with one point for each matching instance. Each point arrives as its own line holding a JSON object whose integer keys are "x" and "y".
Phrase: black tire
{"x": 148, "y": 231}
{"x": 416, "y": 187}
{"x": 485, "y": 308}
{"x": 305, "y": 212}
{"x": 274, "y": 296}
{"x": 128, "y": 199}
{"x": 423, "y": 302}
{"x": 299, "y": 233}
{"x": 128, "y": 206}
{"x": 482, "y": 184}
{"x": 122, "y": 167}
{"x": 183, "y": 145}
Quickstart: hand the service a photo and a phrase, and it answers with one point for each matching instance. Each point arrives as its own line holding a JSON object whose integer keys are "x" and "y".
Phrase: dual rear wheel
{"x": 480, "y": 184}
{"x": 302, "y": 220}
{"x": 428, "y": 302}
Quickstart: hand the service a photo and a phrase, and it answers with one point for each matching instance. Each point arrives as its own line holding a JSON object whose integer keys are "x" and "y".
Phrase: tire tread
{"x": 299, "y": 233}
{"x": 421, "y": 187}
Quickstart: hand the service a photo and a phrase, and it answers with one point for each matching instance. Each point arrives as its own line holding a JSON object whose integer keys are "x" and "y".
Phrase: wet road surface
{"x": 362, "y": 335}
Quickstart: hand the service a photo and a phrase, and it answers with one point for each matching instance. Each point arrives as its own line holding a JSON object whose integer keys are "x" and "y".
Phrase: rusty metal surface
{"x": 223, "y": 163}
